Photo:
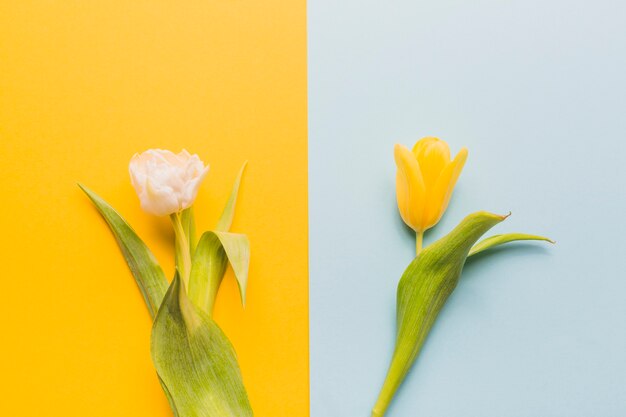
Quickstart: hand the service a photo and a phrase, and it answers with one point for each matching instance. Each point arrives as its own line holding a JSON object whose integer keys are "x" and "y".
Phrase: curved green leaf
{"x": 207, "y": 270}
{"x": 142, "y": 263}
{"x": 497, "y": 240}
{"x": 237, "y": 248}
{"x": 226, "y": 219}
{"x": 423, "y": 290}
{"x": 195, "y": 361}
{"x": 209, "y": 265}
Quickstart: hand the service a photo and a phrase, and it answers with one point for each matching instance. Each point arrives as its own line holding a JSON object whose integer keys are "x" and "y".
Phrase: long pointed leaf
{"x": 498, "y": 240}
{"x": 226, "y": 219}
{"x": 195, "y": 361}
{"x": 142, "y": 263}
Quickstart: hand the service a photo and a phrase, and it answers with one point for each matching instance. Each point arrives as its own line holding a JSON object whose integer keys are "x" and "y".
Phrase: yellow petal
{"x": 439, "y": 196}
{"x": 432, "y": 155}
{"x": 409, "y": 187}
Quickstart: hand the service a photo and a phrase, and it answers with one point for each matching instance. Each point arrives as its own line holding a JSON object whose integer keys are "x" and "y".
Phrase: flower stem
{"x": 183, "y": 252}
{"x": 419, "y": 242}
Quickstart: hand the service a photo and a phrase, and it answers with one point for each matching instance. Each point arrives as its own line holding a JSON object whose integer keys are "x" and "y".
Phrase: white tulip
{"x": 166, "y": 183}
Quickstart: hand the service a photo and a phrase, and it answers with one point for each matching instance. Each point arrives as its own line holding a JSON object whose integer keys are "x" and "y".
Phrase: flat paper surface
{"x": 535, "y": 90}
{"x": 83, "y": 86}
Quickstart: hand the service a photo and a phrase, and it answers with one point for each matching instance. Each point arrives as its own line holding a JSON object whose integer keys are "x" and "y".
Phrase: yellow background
{"x": 83, "y": 86}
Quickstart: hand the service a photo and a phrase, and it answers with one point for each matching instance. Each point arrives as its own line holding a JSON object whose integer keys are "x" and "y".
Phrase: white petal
{"x": 165, "y": 182}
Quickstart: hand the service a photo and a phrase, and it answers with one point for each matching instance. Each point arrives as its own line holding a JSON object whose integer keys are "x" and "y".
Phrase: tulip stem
{"x": 183, "y": 252}
{"x": 419, "y": 242}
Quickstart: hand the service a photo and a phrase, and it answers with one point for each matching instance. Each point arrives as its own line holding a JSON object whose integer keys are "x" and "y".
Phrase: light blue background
{"x": 537, "y": 91}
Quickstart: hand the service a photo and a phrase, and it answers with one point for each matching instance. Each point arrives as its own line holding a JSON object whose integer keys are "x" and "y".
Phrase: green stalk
{"x": 419, "y": 242}
{"x": 183, "y": 251}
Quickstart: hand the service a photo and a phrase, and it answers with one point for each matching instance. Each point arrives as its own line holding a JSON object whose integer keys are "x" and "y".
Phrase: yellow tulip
{"x": 424, "y": 182}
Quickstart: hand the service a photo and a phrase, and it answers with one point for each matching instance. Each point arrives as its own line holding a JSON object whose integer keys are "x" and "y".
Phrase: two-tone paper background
{"x": 314, "y": 96}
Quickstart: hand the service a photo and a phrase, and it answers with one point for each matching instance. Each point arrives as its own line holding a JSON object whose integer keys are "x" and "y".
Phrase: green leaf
{"x": 497, "y": 240}
{"x": 195, "y": 361}
{"x": 209, "y": 265}
{"x": 226, "y": 219}
{"x": 207, "y": 270}
{"x": 237, "y": 248}
{"x": 142, "y": 263}
{"x": 423, "y": 290}
{"x": 170, "y": 400}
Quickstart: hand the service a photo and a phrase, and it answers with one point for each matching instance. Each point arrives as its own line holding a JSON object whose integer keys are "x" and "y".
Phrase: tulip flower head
{"x": 424, "y": 182}
{"x": 166, "y": 183}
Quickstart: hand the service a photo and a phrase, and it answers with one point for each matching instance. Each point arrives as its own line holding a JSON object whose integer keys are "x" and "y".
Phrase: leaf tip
{"x": 92, "y": 196}
{"x": 545, "y": 239}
